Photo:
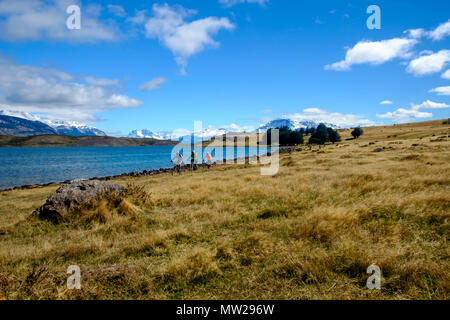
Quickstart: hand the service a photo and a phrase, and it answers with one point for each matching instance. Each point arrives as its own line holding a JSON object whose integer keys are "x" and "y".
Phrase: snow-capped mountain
{"x": 293, "y": 124}
{"x": 177, "y": 135}
{"x": 145, "y": 134}
{"x": 183, "y": 134}
{"x": 67, "y": 128}
{"x": 21, "y": 127}
{"x": 72, "y": 128}
{"x": 208, "y": 133}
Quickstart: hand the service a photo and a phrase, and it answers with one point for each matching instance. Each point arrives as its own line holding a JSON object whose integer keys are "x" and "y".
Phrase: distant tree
{"x": 287, "y": 137}
{"x": 320, "y": 135}
{"x": 333, "y": 135}
{"x": 357, "y": 132}
{"x": 295, "y": 137}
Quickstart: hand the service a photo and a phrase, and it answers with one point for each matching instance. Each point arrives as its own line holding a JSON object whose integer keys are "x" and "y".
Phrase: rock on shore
{"x": 71, "y": 196}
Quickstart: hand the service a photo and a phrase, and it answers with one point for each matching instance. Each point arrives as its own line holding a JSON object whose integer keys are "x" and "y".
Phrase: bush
{"x": 357, "y": 132}
{"x": 333, "y": 135}
{"x": 324, "y": 134}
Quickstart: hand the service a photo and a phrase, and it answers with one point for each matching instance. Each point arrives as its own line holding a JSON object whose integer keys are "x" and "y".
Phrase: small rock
{"x": 378, "y": 150}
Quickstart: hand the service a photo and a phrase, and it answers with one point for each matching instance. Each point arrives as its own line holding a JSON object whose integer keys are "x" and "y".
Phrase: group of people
{"x": 178, "y": 161}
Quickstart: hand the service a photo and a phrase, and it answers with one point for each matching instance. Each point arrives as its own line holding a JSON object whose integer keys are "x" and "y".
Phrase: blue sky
{"x": 162, "y": 65}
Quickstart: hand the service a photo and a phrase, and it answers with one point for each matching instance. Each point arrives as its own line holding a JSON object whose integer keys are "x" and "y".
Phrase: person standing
{"x": 209, "y": 159}
{"x": 194, "y": 160}
{"x": 177, "y": 161}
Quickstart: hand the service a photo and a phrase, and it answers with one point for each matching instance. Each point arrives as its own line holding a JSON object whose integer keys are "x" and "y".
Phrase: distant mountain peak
{"x": 293, "y": 124}
{"x": 208, "y": 133}
{"x": 67, "y": 128}
{"x": 15, "y": 126}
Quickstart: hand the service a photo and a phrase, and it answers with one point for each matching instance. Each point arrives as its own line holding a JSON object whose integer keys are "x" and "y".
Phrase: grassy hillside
{"x": 70, "y": 141}
{"x": 309, "y": 232}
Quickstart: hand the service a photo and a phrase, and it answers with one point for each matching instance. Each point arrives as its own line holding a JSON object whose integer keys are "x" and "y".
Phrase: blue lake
{"x": 27, "y": 166}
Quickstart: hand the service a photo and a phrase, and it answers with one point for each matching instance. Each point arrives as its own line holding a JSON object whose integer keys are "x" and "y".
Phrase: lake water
{"x": 28, "y": 166}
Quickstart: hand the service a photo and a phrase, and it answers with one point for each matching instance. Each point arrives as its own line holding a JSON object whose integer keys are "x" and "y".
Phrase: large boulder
{"x": 71, "y": 196}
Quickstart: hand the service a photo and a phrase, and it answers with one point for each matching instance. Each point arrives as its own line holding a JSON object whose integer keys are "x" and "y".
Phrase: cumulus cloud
{"x": 230, "y": 3}
{"x": 442, "y": 31}
{"x": 405, "y": 115}
{"x": 439, "y": 33}
{"x": 386, "y": 102}
{"x": 446, "y": 75}
{"x": 430, "y": 63}
{"x": 402, "y": 115}
{"x": 154, "y": 84}
{"x": 415, "y": 33}
{"x": 430, "y": 105}
{"x": 184, "y": 39}
{"x": 57, "y": 94}
{"x": 339, "y": 119}
{"x": 38, "y": 19}
{"x": 374, "y": 52}
{"x": 442, "y": 91}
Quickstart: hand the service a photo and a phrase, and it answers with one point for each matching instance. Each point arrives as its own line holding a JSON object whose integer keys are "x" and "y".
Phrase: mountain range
{"x": 18, "y": 123}
{"x": 292, "y": 124}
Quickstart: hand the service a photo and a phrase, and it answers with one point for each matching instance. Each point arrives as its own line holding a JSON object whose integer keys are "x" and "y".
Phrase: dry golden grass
{"x": 309, "y": 232}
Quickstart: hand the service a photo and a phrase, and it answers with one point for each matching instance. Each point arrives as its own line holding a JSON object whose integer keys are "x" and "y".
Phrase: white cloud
{"x": 57, "y": 94}
{"x": 102, "y": 82}
{"x": 184, "y": 39}
{"x": 376, "y": 52}
{"x": 415, "y": 33}
{"x": 116, "y": 10}
{"x": 266, "y": 111}
{"x": 442, "y": 91}
{"x": 446, "y": 75}
{"x": 339, "y": 119}
{"x": 442, "y": 31}
{"x": 230, "y": 3}
{"x": 386, "y": 102}
{"x": 430, "y": 105}
{"x": 430, "y": 63}
{"x": 405, "y": 115}
{"x": 154, "y": 84}
{"x": 38, "y": 19}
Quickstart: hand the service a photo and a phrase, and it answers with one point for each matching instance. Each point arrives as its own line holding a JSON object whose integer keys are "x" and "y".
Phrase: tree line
{"x": 320, "y": 135}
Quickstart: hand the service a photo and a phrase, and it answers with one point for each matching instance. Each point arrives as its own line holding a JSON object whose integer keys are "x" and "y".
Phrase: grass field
{"x": 309, "y": 232}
